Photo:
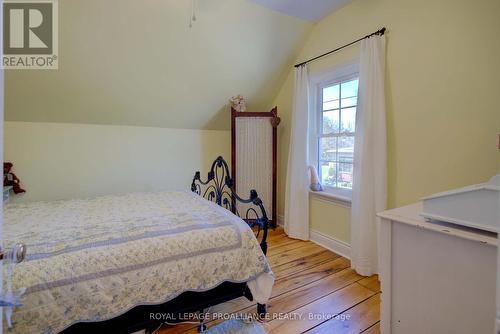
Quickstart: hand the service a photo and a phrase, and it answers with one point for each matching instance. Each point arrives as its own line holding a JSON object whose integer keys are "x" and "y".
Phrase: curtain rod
{"x": 378, "y": 32}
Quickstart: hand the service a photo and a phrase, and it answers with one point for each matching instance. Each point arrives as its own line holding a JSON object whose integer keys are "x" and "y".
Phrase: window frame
{"x": 339, "y": 76}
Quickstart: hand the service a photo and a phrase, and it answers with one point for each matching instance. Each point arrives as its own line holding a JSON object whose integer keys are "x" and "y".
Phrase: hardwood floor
{"x": 315, "y": 292}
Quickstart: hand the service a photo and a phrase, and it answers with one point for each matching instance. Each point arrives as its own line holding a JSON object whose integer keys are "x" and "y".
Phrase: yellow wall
{"x": 330, "y": 218}
{"x": 131, "y": 65}
{"x": 59, "y": 161}
{"x": 137, "y": 62}
{"x": 442, "y": 83}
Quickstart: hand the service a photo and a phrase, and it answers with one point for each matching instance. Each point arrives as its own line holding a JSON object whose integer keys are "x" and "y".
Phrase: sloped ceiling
{"x": 311, "y": 10}
{"x": 132, "y": 62}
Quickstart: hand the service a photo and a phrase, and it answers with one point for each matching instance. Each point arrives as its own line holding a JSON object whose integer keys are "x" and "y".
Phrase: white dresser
{"x": 436, "y": 278}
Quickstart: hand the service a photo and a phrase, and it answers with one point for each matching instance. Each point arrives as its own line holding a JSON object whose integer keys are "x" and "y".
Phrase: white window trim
{"x": 332, "y": 197}
{"x": 340, "y": 73}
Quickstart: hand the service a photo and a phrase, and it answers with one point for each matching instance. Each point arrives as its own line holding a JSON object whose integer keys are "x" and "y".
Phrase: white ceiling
{"x": 310, "y": 10}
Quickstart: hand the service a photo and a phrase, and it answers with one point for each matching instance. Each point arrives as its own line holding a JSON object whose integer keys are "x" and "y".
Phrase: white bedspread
{"x": 94, "y": 259}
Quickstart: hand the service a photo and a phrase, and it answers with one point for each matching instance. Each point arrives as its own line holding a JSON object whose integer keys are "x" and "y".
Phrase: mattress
{"x": 94, "y": 259}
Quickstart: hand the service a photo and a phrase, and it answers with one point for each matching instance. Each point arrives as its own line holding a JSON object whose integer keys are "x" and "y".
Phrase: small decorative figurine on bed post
{"x": 10, "y": 179}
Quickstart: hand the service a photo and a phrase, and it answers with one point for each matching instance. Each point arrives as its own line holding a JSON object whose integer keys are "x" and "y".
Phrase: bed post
{"x": 263, "y": 221}
{"x": 219, "y": 188}
{"x": 261, "y": 310}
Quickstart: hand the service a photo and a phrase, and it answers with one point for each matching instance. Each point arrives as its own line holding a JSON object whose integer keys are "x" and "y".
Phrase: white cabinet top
{"x": 411, "y": 215}
{"x": 474, "y": 206}
{"x": 493, "y": 184}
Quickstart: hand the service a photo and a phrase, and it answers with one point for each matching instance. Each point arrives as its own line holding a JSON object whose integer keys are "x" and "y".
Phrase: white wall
{"x": 58, "y": 161}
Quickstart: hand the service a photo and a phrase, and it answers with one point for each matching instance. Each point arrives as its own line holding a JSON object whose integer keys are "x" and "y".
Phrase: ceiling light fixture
{"x": 192, "y": 16}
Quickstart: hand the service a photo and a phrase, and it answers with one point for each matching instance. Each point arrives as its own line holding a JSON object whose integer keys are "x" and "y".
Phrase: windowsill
{"x": 332, "y": 197}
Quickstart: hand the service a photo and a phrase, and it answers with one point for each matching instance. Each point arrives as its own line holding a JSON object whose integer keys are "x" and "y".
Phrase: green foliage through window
{"x": 337, "y": 130}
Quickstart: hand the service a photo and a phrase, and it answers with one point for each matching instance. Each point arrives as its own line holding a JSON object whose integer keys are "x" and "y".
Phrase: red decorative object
{"x": 10, "y": 179}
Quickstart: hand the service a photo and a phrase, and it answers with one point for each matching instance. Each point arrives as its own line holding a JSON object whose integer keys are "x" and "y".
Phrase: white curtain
{"x": 370, "y": 175}
{"x": 297, "y": 179}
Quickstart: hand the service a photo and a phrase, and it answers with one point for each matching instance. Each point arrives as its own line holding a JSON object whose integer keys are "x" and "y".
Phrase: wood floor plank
{"x": 306, "y": 294}
{"x": 290, "y": 283}
{"x": 177, "y": 329}
{"x": 353, "y": 321}
{"x": 286, "y": 246}
{"x": 371, "y": 283}
{"x": 275, "y": 234}
{"x": 315, "y": 313}
{"x": 294, "y": 254}
{"x": 296, "y": 320}
{"x": 375, "y": 329}
{"x": 281, "y": 242}
{"x": 303, "y": 263}
{"x": 309, "y": 279}
{"x": 295, "y": 299}
{"x": 307, "y": 276}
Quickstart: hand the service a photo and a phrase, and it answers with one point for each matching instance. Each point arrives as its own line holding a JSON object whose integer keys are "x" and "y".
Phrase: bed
{"x": 105, "y": 264}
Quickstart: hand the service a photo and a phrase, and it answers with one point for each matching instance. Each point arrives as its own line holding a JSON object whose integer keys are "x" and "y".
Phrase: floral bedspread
{"x": 94, "y": 259}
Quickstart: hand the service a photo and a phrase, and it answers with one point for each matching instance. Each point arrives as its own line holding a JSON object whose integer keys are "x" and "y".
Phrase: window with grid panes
{"x": 337, "y": 128}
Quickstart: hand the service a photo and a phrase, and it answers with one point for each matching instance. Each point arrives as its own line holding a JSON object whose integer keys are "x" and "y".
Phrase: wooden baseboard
{"x": 330, "y": 243}
{"x": 281, "y": 220}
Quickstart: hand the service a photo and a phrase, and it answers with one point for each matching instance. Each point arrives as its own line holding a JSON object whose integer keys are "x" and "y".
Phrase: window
{"x": 336, "y": 130}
